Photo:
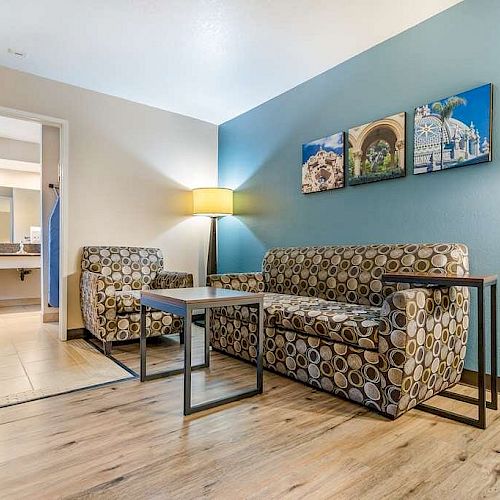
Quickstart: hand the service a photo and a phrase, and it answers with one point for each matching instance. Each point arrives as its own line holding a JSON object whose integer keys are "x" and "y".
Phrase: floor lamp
{"x": 214, "y": 203}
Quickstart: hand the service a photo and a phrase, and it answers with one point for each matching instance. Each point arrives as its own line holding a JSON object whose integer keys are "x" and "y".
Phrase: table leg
{"x": 481, "y": 358}
{"x": 207, "y": 337}
{"x": 187, "y": 361}
{"x": 143, "y": 343}
{"x": 260, "y": 345}
{"x": 493, "y": 347}
{"x": 246, "y": 393}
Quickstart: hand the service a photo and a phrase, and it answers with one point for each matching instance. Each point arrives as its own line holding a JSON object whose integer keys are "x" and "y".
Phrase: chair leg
{"x": 181, "y": 337}
{"x": 107, "y": 345}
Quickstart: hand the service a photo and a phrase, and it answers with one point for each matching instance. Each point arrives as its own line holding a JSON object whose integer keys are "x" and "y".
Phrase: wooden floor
{"x": 130, "y": 440}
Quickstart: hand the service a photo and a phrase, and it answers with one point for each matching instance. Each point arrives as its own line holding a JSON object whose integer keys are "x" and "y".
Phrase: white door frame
{"x": 63, "y": 127}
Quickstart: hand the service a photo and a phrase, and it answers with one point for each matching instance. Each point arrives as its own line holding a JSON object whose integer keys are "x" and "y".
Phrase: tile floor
{"x": 34, "y": 363}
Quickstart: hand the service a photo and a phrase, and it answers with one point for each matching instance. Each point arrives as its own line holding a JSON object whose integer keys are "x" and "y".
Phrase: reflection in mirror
{"x": 19, "y": 215}
{"x": 6, "y": 222}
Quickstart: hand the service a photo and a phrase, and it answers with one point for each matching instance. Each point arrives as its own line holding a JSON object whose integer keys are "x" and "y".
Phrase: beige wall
{"x": 50, "y": 175}
{"x": 26, "y": 204}
{"x": 130, "y": 171}
{"x": 11, "y": 149}
{"x": 12, "y": 288}
{"x": 5, "y": 227}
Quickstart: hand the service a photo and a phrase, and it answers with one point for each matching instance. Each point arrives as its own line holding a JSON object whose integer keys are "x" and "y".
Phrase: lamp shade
{"x": 214, "y": 202}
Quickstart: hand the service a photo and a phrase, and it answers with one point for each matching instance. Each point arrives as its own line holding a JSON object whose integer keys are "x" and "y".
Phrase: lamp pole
{"x": 212, "y": 248}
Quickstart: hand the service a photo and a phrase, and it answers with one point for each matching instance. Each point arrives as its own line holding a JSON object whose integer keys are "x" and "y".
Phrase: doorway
{"x": 55, "y": 134}
{"x": 29, "y": 252}
{"x": 36, "y": 358}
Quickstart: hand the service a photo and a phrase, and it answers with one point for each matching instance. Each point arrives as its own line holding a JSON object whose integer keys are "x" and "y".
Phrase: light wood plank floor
{"x": 130, "y": 440}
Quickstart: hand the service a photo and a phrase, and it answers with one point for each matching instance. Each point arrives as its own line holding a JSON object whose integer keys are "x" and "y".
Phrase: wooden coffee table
{"x": 182, "y": 302}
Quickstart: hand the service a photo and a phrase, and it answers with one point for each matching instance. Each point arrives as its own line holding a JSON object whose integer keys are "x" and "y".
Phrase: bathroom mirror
{"x": 20, "y": 215}
{"x": 6, "y": 220}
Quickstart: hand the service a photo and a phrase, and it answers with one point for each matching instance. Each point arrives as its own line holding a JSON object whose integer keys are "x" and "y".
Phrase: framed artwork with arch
{"x": 377, "y": 150}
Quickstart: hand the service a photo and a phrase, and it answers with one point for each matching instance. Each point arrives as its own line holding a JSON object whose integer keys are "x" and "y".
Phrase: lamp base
{"x": 212, "y": 248}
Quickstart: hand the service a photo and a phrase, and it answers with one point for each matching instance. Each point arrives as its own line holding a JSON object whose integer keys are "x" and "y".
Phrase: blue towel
{"x": 54, "y": 221}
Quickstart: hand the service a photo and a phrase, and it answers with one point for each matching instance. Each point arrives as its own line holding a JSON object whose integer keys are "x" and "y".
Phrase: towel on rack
{"x": 53, "y": 255}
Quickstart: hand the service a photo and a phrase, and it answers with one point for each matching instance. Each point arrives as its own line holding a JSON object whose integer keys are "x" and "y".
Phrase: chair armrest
{"x": 422, "y": 344}
{"x": 98, "y": 303}
{"x": 244, "y": 282}
{"x": 172, "y": 279}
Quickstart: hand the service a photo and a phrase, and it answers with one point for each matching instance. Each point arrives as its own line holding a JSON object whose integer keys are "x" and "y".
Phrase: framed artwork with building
{"x": 377, "y": 150}
{"x": 323, "y": 164}
{"x": 454, "y": 132}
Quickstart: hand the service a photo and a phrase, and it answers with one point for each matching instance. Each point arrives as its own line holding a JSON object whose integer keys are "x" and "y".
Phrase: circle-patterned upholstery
{"x": 353, "y": 273}
{"x": 422, "y": 344}
{"x": 403, "y": 345}
{"x": 352, "y": 324}
{"x": 111, "y": 281}
{"x": 130, "y": 268}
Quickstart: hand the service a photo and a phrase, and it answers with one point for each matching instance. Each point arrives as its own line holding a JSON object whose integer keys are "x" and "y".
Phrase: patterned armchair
{"x": 332, "y": 323}
{"x": 110, "y": 291}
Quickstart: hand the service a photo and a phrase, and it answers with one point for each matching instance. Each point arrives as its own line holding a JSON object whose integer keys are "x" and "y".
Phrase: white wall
{"x": 130, "y": 171}
{"x": 19, "y": 179}
{"x": 26, "y": 204}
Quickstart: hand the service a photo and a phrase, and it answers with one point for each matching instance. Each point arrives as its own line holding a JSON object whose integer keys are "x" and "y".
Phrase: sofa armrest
{"x": 172, "y": 279}
{"x": 245, "y": 282}
{"x": 98, "y": 303}
{"x": 422, "y": 344}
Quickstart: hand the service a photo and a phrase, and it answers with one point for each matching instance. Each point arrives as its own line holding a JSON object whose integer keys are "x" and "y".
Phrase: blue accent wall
{"x": 260, "y": 152}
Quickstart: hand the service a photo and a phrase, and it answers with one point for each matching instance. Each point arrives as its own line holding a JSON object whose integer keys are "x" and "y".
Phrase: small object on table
{"x": 480, "y": 283}
{"x": 182, "y": 302}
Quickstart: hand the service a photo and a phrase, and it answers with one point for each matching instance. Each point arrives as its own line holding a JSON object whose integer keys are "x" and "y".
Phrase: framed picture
{"x": 323, "y": 164}
{"x": 454, "y": 132}
{"x": 377, "y": 150}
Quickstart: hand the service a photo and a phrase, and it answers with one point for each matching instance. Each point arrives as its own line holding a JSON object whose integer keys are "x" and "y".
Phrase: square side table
{"x": 182, "y": 302}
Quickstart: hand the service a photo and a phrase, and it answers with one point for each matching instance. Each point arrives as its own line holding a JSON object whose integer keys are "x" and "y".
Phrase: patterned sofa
{"x": 331, "y": 323}
{"x": 110, "y": 291}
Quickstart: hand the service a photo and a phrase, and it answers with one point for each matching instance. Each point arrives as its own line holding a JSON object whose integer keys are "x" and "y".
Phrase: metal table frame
{"x": 480, "y": 283}
{"x": 185, "y": 309}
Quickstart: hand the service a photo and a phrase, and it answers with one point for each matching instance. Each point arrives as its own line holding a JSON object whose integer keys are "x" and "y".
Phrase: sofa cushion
{"x": 354, "y": 273}
{"x": 351, "y": 324}
{"x": 128, "y": 302}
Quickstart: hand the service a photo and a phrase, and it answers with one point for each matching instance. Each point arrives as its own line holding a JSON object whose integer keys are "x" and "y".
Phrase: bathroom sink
{"x": 19, "y": 261}
{"x": 15, "y": 254}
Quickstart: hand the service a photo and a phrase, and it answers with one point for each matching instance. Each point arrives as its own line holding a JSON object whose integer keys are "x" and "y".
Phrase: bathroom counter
{"x": 20, "y": 261}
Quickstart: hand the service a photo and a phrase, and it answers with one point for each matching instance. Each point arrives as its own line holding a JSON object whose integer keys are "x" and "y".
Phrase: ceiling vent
{"x": 17, "y": 53}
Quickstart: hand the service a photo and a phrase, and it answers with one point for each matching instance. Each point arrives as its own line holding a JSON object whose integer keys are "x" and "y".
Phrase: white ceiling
{"x": 211, "y": 59}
